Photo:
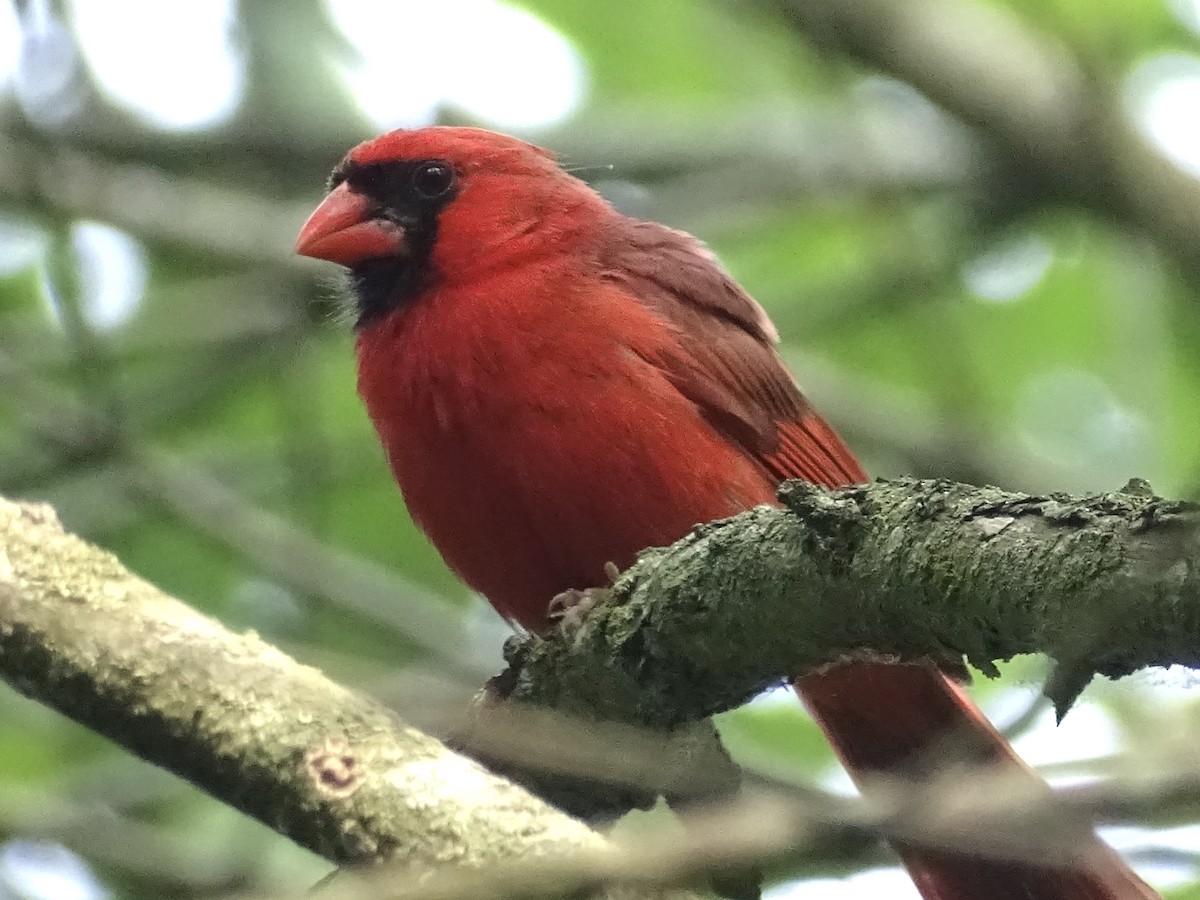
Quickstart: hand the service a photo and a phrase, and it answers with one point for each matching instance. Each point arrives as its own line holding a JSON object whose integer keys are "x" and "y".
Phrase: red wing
{"x": 725, "y": 361}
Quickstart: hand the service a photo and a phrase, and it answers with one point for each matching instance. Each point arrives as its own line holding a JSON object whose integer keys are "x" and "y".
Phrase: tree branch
{"x": 910, "y": 570}
{"x": 330, "y": 769}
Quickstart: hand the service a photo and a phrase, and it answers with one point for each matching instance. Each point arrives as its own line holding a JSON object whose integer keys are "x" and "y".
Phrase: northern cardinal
{"x": 558, "y": 386}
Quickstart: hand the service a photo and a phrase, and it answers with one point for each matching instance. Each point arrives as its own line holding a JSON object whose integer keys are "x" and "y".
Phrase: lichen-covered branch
{"x": 334, "y": 771}
{"x": 906, "y": 569}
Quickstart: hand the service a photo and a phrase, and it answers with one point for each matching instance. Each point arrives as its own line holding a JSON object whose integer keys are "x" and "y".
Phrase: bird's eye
{"x": 432, "y": 180}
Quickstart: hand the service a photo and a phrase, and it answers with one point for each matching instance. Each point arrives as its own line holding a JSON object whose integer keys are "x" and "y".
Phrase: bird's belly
{"x": 533, "y": 490}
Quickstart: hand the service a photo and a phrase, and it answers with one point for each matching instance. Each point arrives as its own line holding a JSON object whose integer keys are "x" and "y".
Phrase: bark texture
{"x": 329, "y": 768}
{"x": 907, "y": 570}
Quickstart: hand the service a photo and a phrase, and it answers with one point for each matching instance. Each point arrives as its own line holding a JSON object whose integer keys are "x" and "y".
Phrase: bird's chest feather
{"x": 533, "y": 442}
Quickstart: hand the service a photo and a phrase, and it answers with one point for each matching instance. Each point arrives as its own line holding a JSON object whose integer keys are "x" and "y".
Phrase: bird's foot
{"x": 570, "y": 607}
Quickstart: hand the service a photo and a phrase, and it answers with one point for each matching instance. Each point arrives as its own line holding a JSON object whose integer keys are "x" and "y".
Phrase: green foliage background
{"x": 858, "y": 215}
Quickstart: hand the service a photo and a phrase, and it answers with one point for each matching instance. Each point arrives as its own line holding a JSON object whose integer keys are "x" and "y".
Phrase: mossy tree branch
{"x": 912, "y": 570}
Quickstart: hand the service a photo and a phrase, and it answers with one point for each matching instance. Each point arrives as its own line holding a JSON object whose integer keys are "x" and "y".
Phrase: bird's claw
{"x": 570, "y": 607}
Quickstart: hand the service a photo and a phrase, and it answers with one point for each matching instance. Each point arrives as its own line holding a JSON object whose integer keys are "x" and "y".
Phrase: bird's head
{"x": 412, "y": 208}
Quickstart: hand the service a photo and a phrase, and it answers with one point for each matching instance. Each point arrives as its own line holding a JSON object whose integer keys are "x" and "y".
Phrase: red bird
{"x": 558, "y": 386}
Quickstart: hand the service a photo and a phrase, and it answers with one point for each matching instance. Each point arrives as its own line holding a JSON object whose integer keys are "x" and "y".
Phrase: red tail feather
{"x": 884, "y": 718}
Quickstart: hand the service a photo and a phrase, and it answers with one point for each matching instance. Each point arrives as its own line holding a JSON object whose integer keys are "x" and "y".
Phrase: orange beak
{"x": 344, "y": 230}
